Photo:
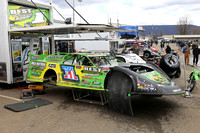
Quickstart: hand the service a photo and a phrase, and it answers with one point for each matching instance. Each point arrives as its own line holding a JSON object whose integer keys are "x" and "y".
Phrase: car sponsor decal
{"x": 69, "y": 73}
{"x": 52, "y": 65}
{"x": 156, "y": 76}
{"x": 37, "y": 68}
{"x": 85, "y": 77}
{"x": 78, "y": 67}
{"x": 85, "y": 82}
{"x": 142, "y": 86}
{"x": 96, "y": 83}
{"x": 90, "y": 74}
{"x": 92, "y": 69}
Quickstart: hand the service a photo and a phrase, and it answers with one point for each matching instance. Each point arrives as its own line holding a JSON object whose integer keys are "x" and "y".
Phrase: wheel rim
{"x": 146, "y": 55}
{"x": 171, "y": 61}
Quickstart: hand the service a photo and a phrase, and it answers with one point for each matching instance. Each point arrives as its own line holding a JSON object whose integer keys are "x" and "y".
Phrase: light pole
{"x": 80, "y": 7}
{"x": 73, "y": 12}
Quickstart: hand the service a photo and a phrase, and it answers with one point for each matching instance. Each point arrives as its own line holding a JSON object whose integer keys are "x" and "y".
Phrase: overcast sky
{"x": 131, "y": 12}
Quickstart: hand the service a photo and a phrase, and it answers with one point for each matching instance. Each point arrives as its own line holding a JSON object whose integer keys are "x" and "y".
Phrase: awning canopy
{"x": 67, "y": 29}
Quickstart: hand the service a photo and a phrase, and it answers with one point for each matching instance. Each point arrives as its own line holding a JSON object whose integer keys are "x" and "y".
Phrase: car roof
{"x": 87, "y": 54}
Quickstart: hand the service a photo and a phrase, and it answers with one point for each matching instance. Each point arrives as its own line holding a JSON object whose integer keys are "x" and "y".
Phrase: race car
{"x": 101, "y": 72}
{"x": 150, "y": 52}
{"x": 130, "y": 58}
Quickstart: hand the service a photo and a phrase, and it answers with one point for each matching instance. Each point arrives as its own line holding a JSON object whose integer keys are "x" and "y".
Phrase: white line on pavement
{"x": 11, "y": 98}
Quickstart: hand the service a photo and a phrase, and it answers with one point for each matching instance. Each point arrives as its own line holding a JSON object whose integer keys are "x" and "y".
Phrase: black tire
{"x": 178, "y": 73}
{"x": 170, "y": 61}
{"x": 171, "y": 74}
{"x": 191, "y": 85}
{"x": 119, "y": 86}
{"x": 146, "y": 54}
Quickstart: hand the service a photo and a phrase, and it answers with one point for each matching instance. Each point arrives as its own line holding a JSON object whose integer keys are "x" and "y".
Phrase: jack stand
{"x": 85, "y": 96}
{"x": 187, "y": 94}
{"x": 27, "y": 93}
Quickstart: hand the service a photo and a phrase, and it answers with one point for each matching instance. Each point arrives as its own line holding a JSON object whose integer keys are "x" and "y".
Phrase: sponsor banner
{"x": 24, "y": 16}
{"x": 16, "y": 51}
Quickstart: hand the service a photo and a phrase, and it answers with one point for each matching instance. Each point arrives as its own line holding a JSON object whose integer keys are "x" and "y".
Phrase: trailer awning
{"x": 67, "y": 29}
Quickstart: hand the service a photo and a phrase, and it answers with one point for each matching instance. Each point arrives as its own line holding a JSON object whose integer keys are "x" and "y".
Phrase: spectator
{"x": 162, "y": 46}
{"x": 168, "y": 49}
{"x": 156, "y": 42}
{"x": 186, "y": 51}
{"x": 195, "y": 55}
{"x": 182, "y": 46}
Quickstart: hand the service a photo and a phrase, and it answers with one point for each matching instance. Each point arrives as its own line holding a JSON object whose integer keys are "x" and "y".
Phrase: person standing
{"x": 186, "y": 51}
{"x": 168, "y": 49}
{"x": 195, "y": 55}
{"x": 162, "y": 46}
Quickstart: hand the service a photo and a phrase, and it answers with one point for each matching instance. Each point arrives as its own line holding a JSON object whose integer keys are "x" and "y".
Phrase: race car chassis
{"x": 89, "y": 96}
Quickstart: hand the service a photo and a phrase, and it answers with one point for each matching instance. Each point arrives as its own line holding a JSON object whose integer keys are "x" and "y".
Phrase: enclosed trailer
{"x": 16, "y": 47}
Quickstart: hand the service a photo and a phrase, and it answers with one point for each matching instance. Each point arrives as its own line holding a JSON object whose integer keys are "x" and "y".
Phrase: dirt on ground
{"x": 166, "y": 114}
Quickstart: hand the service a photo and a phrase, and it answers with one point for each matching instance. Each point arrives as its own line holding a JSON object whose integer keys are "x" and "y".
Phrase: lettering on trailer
{"x": 69, "y": 73}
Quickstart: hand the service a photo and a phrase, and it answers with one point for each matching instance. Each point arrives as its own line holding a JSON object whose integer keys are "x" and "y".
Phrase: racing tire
{"x": 178, "y": 73}
{"x": 170, "y": 61}
{"x": 119, "y": 86}
{"x": 146, "y": 55}
{"x": 191, "y": 85}
{"x": 171, "y": 74}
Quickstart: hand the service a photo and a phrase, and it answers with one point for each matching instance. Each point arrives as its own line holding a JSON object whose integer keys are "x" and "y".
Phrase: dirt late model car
{"x": 99, "y": 72}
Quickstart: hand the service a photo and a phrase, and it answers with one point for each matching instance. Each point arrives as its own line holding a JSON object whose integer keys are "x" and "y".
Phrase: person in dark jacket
{"x": 162, "y": 45}
{"x": 195, "y": 55}
{"x": 168, "y": 49}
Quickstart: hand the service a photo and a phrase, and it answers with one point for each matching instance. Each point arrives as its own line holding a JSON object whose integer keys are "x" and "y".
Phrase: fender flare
{"x": 126, "y": 72}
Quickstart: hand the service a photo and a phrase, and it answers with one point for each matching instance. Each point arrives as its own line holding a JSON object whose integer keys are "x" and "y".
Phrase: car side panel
{"x": 37, "y": 70}
{"x": 86, "y": 77}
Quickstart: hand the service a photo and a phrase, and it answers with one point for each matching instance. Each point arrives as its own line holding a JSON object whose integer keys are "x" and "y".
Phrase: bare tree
{"x": 195, "y": 31}
{"x": 184, "y": 25}
{"x": 160, "y": 33}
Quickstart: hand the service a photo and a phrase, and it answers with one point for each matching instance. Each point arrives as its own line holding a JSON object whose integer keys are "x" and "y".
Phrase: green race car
{"x": 100, "y": 72}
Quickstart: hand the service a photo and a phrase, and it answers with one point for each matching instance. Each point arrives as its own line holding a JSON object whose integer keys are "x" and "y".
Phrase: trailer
{"x": 19, "y": 14}
{"x": 101, "y": 42}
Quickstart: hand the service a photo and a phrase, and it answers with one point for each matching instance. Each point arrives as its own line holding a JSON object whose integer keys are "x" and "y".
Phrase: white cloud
{"x": 132, "y": 12}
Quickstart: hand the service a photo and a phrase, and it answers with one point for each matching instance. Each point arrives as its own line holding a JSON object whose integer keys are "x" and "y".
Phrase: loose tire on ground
{"x": 119, "y": 86}
{"x": 169, "y": 62}
{"x": 178, "y": 73}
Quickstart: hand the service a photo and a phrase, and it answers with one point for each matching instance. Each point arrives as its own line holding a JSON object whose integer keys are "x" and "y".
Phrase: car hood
{"x": 156, "y": 76}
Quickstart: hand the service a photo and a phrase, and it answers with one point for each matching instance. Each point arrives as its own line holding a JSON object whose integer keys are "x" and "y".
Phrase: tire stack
{"x": 170, "y": 64}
